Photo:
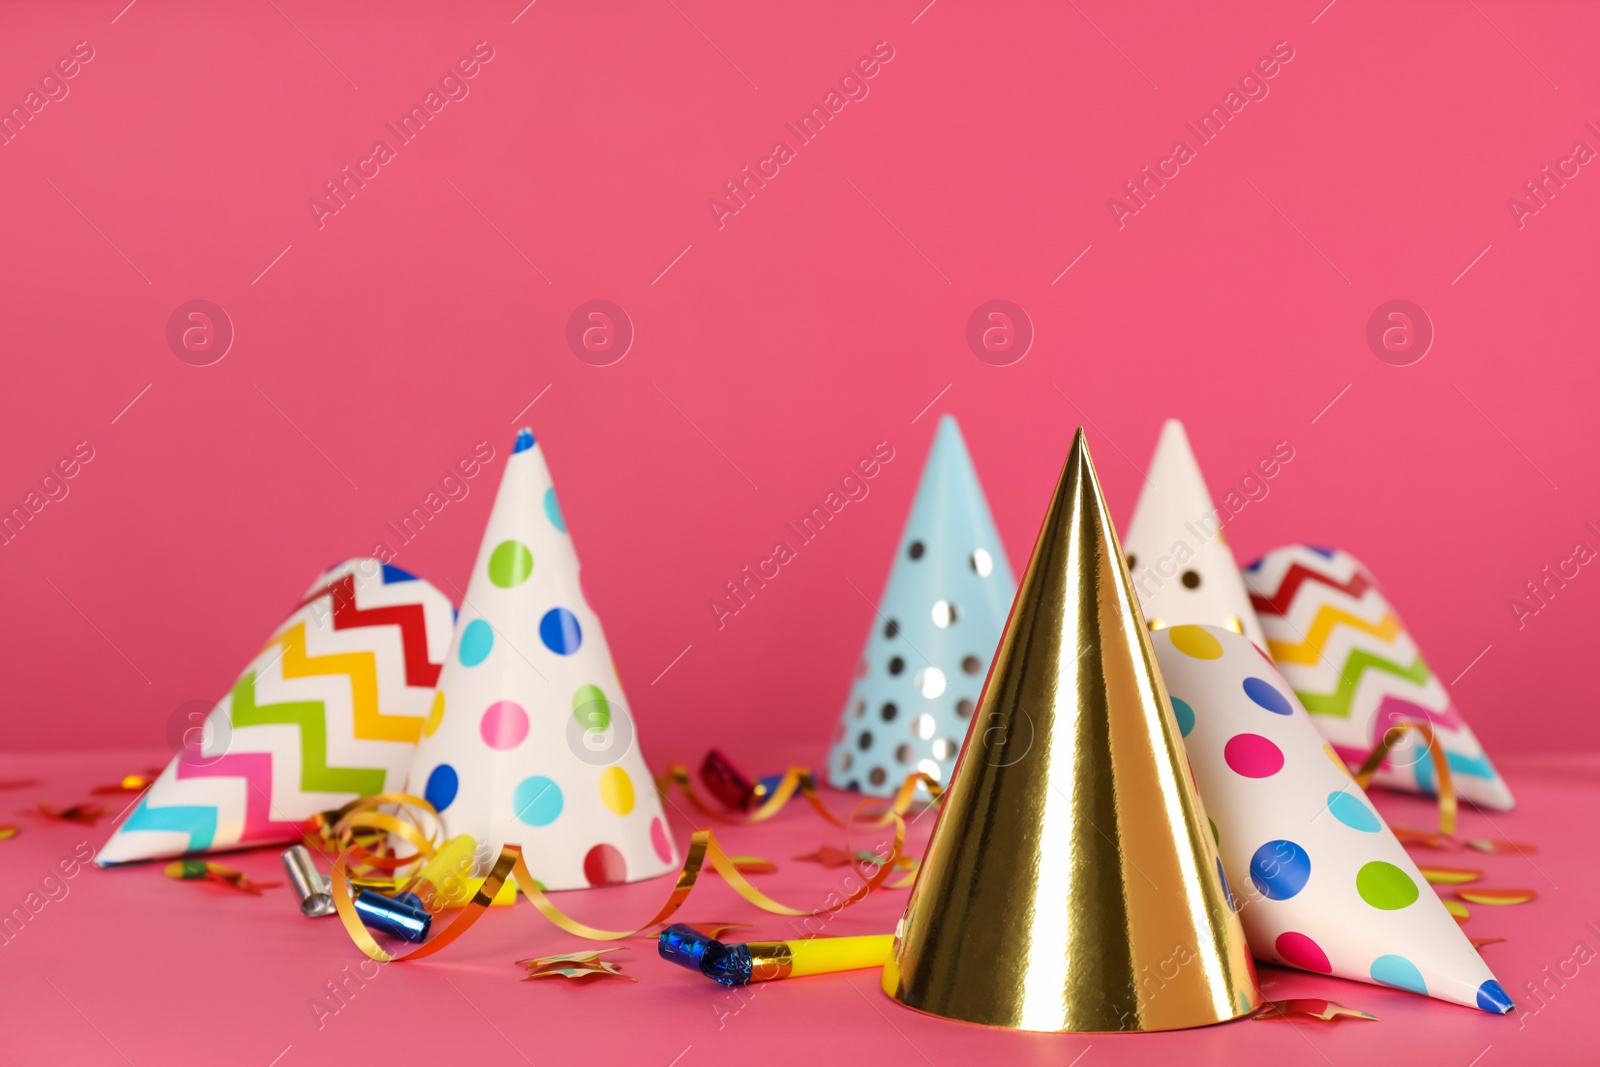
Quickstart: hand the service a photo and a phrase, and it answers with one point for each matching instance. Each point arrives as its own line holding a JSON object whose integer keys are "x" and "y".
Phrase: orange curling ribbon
{"x": 1441, "y": 769}
{"x": 704, "y": 850}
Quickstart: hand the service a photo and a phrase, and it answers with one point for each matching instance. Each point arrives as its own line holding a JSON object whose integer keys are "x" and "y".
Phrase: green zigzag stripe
{"x": 1337, "y": 703}
{"x": 311, "y": 717}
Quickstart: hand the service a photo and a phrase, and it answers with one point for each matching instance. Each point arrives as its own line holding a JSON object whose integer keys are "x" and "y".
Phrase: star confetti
{"x": 198, "y": 870}
{"x": 1458, "y": 911}
{"x": 82, "y": 814}
{"x": 575, "y": 965}
{"x": 1321, "y": 1010}
{"x": 7, "y": 832}
{"x": 748, "y": 865}
{"x": 716, "y": 931}
{"x": 1449, "y": 875}
{"x": 1479, "y": 942}
{"x": 1408, "y": 836}
{"x": 1496, "y": 896}
{"x": 131, "y": 783}
{"x": 829, "y": 856}
{"x": 1499, "y": 847}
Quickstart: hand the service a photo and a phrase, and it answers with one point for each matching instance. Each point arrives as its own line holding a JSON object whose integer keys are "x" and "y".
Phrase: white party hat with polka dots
{"x": 1183, "y": 570}
{"x": 530, "y": 740}
{"x": 1316, "y": 875}
{"x": 933, "y": 633}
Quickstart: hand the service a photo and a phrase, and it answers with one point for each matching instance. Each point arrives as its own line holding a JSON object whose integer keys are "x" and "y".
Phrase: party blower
{"x": 1071, "y": 883}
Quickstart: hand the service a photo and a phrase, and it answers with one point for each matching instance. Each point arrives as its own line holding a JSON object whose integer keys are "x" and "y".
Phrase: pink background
{"x": 822, "y": 318}
{"x": 373, "y": 353}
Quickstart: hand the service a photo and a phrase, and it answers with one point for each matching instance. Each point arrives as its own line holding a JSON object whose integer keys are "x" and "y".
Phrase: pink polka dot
{"x": 504, "y": 725}
{"x": 1253, "y": 756}
{"x": 658, "y": 840}
{"x": 1298, "y": 950}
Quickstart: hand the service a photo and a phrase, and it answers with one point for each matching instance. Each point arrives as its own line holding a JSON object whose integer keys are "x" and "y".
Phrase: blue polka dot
{"x": 560, "y": 632}
{"x": 1266, "y": 694}
{"x": 1227, "y": 889}
{"x": 392, "y": 574}
{"x": 524, "y": 441}
{"x": 1349, "y": 810}
{"x": 536, "y": 801}
{"x": 1280, "y": 869}
{"x": 476, "y": 641}
{"x": 1184, "y": 714}
{"x": 552, "y": 510}
{"x": 1492, "y": 998}
{"x": 441, "y": 788}
{"x": 1400, "y": 973}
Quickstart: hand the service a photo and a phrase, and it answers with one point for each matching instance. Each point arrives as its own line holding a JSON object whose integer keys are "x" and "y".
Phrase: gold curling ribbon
{"x": 1441, "y": 769}
{"x": 342, "y": 827}
{"x": 796, "y": 780}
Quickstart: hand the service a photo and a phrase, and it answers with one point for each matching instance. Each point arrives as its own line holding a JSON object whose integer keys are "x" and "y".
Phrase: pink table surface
{"x": 131, "y": 967}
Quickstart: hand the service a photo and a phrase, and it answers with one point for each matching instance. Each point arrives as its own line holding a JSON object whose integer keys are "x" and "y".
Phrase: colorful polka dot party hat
{"x": 1070, "y": 883}
{"x": 1317, "y": 876}
{"x": 1358, "y": 671}
{"x": 1182, "y": 567}
{"x": 935, "y": 628}
{"x": 326, "y": 712}
{"x": 530, "y": 740}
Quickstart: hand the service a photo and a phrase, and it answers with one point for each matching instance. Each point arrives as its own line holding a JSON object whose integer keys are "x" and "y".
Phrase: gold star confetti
{"x": 716, "y": 931}
{"x": 1458, "y": 911}
{"x": 198, "y": 870}
{"x": 748, "y": 865}
{"x": 1307, "y": 1008}
{"x": 82, "y": 814}
{"x": 575, "y": 965}
{"x": 1449, "y": 875}
{"x": 7, "y": 832}
{"x": 131, "y": 783}
{"x": 1499, "y": 847}
{"x": 1496, "y": 896}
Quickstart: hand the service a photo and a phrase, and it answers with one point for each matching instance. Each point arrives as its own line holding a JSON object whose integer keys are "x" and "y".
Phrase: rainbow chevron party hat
{"x": 1318, "y": 877}
{"x": 326, "y": 712}
{"x": 932, "y": 635}
{"x": 1182, "y": 567}
{"x": 530, "y": 740}
{"x": 1358, "y": 671}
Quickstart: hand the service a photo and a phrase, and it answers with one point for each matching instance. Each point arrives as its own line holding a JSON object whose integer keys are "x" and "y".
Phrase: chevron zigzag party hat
{"x": 326, "y": 712}
{"x": 1319, "y": 878}
{"x": 1182, "y": 567}
{"x": 530, "y": 740}
{"x": 1358, "y": 671}
{"x": 934, "y": 630}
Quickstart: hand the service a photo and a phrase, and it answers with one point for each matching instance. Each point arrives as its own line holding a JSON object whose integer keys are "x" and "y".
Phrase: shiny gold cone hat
{"x": 1072, "y": 883}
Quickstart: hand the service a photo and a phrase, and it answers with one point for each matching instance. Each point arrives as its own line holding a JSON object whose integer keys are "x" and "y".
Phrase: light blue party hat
{"x": 933, "y": 634}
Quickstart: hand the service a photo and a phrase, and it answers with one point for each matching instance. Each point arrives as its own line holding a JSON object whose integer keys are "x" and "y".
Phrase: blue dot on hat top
{"x": 934, "y": 631}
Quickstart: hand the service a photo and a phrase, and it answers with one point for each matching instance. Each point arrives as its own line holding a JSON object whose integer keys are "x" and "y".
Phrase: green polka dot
{"x": 590, "y": 708}
{"x": 1383, "y": 885}
{"x": 1214, "y": 835}
{"x": 510, "y": 564}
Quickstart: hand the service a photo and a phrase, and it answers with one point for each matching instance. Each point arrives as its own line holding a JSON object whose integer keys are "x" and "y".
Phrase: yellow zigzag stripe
{"x": 362, "y": 670}
{"x": 1309, "y": 651}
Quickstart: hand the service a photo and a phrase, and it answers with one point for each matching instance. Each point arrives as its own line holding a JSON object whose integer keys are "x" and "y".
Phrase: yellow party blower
{"x": 763, "y": 961}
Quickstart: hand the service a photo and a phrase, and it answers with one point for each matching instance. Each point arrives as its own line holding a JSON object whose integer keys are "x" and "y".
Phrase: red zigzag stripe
{"x": 410, "y": 618}
{"x": 1278, "y": 604}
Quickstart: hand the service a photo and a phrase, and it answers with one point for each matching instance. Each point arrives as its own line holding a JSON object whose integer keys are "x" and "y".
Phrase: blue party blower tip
{"x": 393, "y": 916}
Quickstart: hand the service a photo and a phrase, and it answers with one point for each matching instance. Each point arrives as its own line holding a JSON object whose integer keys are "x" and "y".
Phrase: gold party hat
{"x": 1071, "y": 883}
